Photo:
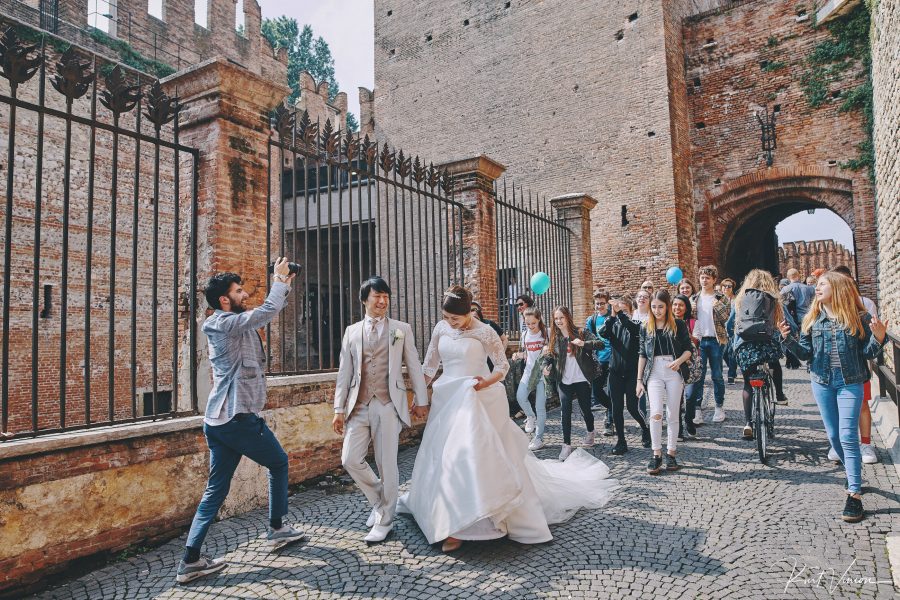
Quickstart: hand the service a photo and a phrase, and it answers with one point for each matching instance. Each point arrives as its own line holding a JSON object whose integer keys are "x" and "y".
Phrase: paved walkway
{"x": 725, "y": 526}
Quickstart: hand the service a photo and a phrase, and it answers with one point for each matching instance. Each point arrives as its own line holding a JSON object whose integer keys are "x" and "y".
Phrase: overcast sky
{"x": 348, "y": 27}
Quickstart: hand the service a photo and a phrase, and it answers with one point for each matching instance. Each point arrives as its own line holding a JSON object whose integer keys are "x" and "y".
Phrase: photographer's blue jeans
{"x": 711, "y": 352}
{"x": 540, "y": 403}
{"x": 245, "y": 435}
{"x": 839, "y": 405}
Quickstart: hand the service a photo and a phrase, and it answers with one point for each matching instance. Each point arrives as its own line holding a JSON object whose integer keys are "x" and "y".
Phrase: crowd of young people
{"x": 650, "y": 353}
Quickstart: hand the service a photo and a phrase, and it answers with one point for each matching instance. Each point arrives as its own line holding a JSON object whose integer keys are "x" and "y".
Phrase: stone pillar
{"x": 473, "y": 187}
{"x": 225, "y": 116}
{"x": 574, "y": 211}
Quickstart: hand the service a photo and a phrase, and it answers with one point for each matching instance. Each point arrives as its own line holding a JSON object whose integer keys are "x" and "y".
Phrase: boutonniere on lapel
{"x": 396, "y": 334}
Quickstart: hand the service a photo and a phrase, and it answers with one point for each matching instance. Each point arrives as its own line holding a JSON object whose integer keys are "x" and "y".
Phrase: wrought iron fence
{"x": 888, "y": 371}
{"x": 98, "y": 275}
{"x": 529, "y": 240}
{"x": 346, "y": 208}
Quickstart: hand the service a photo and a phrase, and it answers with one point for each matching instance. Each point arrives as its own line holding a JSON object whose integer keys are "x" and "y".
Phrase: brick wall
{"x": 586, "y": 113}
{"x": 806, "y": 257}
{"x": 117, "y": 487}
{"x": 736, "y": 197}
{"x": 886, "y": 85}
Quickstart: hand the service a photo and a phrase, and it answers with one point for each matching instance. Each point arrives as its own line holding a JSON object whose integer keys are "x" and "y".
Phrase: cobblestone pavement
{"x": 725, "y": 526}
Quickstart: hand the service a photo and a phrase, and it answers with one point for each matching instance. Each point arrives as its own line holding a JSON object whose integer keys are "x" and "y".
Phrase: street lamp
{"x": 767, "y": 127}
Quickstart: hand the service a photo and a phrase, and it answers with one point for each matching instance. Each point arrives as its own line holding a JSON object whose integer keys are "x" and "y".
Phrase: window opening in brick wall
{"x": 624, "y": 215}
{"x": 777, "y": 108}
{"x": 700, "y": 125}
{"x": 390, "y": 12}
{"x": 620, "y": 34}
{"x": 156, "y": 8}
{"x": 201, "y": 13}
{"x": 102, "y": 15}
{"x": 507, "y": 5}
{"x": 239, "y": 22}
{"x": 48, "y": 301}
{"x": 651, "y": 134}
{"x": 632, "y": 17}
{"x": 466, "y": 23}
{"x": 696, "y": 82}
{"x": 163, "y": 402}
{"x": 428, "y": 37}
{"x": 393, "y": 51}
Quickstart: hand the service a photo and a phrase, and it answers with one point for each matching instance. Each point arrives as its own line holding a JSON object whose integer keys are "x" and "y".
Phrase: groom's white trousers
{"x": 378, "y": 423}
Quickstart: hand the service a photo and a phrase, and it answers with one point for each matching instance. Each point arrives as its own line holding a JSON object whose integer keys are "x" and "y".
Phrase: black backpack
{"x": 756, "y": 320}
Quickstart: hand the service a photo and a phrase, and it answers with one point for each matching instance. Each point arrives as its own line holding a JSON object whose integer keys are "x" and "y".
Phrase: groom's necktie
{"x": 372, "y": 328}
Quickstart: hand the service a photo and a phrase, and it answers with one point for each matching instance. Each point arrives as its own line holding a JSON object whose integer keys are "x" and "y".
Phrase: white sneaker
{"x": 833, "y": 455}
{"x": 529, "y": 424}
{"x": 698, "y": 418}
{"x": 536, "y": 444}
{"x": 565, "y": 452}
{"x": 378, "y": 533}
{"x": 589, "y": 439}
{"x": 868, "y": 454}
{"x": 373, "y": 518}
{"x": 719, "y": 415}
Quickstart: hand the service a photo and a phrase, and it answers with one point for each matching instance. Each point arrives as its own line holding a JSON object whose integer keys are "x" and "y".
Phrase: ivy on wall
{"x": 846, "y": 50}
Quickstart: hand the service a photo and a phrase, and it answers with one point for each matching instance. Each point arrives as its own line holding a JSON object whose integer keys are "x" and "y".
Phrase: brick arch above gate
{"x": 741, "y": 200}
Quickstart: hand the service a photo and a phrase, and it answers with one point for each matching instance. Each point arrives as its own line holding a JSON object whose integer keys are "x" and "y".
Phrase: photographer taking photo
{"x": 232, "y": 425}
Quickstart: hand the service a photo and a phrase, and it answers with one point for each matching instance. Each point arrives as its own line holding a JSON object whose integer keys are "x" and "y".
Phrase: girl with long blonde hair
{"x": 750, "y": 354}
{"x": 838, "y": 336}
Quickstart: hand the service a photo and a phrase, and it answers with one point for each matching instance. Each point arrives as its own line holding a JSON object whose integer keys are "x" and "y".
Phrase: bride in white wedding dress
{"x": 474, "y": 477}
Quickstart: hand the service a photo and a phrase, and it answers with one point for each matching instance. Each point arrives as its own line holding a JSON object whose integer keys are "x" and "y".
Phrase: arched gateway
{"x": 741, "y": 218}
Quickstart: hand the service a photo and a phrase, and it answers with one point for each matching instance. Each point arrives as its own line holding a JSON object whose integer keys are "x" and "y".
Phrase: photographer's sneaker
{"x": 205, "y": 566}
{"x": 285, "y": 535}
{"x": 529, "y": 424}
{"x": 719, "y": 415}
{"x": 868, "y": 454}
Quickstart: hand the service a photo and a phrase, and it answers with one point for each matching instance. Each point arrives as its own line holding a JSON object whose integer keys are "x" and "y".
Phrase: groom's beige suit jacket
{"x": 401, "y": 350}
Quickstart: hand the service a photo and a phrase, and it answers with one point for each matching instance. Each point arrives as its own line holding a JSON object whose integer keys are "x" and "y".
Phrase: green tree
{"x": 305, "y": 53}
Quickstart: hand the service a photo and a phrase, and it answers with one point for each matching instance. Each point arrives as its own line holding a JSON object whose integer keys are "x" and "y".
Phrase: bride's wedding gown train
{"x": 474, "y": 477}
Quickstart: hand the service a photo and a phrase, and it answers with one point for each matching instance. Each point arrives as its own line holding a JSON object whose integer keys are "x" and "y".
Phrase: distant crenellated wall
{"x": 806, "y": 257}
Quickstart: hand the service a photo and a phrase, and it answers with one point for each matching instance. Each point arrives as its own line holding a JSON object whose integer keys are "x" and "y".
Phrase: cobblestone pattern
{"x": 725, "y": 526}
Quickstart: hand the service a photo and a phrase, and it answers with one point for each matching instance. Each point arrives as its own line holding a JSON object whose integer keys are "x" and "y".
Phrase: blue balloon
{"x": 540, "y": 283}
{"x": 674, "y": 275}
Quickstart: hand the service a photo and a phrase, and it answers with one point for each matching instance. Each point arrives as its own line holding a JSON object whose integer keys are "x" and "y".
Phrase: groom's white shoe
{"x": 378, "y": 533}
{"x": 373, "y": 518}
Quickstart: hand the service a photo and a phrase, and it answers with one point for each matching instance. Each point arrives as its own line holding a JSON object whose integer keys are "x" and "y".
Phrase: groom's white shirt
{"x": 401, "y": 349}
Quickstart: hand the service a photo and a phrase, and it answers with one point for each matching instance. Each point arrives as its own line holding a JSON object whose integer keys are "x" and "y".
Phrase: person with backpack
{"x": 623, "y": 335}
{"x": 662, "y": 370}
{"x": 837, "y": 337}
{"x": 593, "y": 324}
{"x": 755, "y": 313}
{"x": 573, "y": 365}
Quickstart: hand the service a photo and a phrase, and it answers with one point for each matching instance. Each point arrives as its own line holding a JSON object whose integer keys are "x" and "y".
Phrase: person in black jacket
{"x": 571, "y": 362}
{"x": 662, "y": 370}
{"x": 623, "y": 336}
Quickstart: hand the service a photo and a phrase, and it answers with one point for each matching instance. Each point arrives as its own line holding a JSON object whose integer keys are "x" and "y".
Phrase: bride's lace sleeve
{"x": 493, "y": 346}
{"x": 432, "y": 355}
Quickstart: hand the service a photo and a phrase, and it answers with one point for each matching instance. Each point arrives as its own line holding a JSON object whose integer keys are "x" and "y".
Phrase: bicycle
{"x": 763, "y": 409}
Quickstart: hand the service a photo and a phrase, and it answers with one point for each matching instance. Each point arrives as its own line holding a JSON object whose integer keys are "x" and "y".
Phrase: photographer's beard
{"x": 237, "y": 304}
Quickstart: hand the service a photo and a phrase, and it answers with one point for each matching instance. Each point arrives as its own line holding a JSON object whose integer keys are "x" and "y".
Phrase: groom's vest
{"x": 374, "y": 372}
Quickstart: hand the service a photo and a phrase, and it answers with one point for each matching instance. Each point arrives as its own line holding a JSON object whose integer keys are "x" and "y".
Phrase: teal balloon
{"x": 674, "y": 275}
{"x": 540, "y": 283}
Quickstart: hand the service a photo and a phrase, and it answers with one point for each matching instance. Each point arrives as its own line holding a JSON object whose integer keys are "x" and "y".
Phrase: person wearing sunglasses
{"x": 523, "y": 302}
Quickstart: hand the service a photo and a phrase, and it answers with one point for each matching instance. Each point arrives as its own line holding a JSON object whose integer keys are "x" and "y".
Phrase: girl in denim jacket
{"x": 838, "y": 336}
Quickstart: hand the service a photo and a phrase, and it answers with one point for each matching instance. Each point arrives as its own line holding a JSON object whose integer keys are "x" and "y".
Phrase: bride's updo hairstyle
{"x": 457, "y": 300}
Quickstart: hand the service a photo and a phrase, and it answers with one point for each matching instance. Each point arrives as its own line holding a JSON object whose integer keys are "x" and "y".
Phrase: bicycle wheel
{"x": 759, "y": 418}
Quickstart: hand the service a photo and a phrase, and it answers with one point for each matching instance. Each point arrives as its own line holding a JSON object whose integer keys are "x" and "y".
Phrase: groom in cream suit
{"x": 370, "y": 402}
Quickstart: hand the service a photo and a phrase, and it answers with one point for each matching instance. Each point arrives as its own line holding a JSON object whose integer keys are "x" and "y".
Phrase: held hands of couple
{"x": 420, "y": 412}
